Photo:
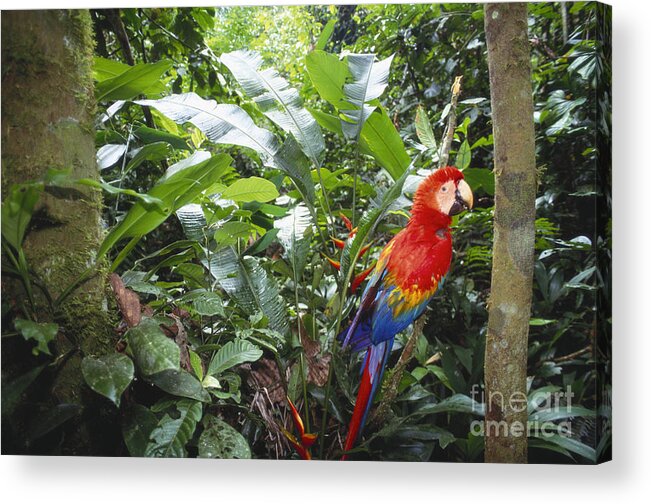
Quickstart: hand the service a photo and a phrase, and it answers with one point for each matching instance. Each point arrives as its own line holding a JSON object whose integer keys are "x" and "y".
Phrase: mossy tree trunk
{"x": 48, "y": 113}
{"x": 514, "y": 234}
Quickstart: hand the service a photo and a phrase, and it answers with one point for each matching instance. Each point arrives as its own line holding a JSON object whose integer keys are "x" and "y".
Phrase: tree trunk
{"x": 509, "y": 307}
{"x": 48, "y": 113}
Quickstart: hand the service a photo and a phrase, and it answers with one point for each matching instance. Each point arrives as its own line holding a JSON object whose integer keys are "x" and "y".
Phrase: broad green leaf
{"x": 250, "y": 286}
{"x": 206, "y": 303}
{"x": 223, "y": 123}
{"x": 424, "y": 129}
{"x": 277, "y": 100}
{"x": 196, "y": 365}
{"x": 156, "y": 151}
{"x": 138, "y": 424}
{"x": 325, "y": 35}
{"x": 180, "y": 383}
{"x": 151, "y": 135}
{"x": 233, "y": 353}
{"x": 327, "y": 121}
{"x": 193, "y": 221}
{"x": 41, "y": 333}
{"x": 183, "y": 182}
{"x": 480, "y": 177}
{"x": 109, "y": 154}
{"x": 104, "y": 68}
{"x": 232, "y": 231}
{"x": 380, "y": 139}
{"x": 328, "y": 74}
{"x": 458, "y": 403}
{"x": 261, "y": 243}
{"x": 17, "y": 209}
{"x": 251, "y": 189}
{"x": 137, "y": 80}
{"x": 152, "y": 350}
{"x": 369, "y": 80}
{"x": 291, "y": 160}
{"x": 294, "y": 234}
{"x": 171, "y": 435}
{"x": 109, "y": 375}
{"x": 569, "y": 444}
{"x": 221, "y": 441}
{"x": 560, "y": 412}
{"x": 464, "y": 156}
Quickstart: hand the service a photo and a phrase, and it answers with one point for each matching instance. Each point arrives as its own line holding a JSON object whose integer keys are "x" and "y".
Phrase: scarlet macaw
{"x": 410, "y": 269}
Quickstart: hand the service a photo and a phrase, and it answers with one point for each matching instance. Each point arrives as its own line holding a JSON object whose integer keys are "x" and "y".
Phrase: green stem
{"x": 300, "y": 339}
{"x": 334, "y": 349}
{"x": 325, "y": 195}
{"x": 355, "y": 183}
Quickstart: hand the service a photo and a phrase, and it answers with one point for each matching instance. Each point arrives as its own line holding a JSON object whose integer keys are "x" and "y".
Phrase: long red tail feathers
{"x": 374, "y": 364}
{"x": 361, "y": 403}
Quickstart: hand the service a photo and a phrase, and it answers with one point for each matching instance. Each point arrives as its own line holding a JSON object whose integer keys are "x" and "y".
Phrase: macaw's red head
{"x": 445, "y": 192}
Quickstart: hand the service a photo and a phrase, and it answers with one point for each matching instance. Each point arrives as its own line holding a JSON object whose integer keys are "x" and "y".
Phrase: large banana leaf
{"x": 223, "y": 123}
{"x": 182, "y": 183}
{"x": 229, "y": 124}
{"x": 250, "y": 286}
{"x": 294, "y": 233}
{"x": 370, "y": 79}
{"x": 277, "y": 100}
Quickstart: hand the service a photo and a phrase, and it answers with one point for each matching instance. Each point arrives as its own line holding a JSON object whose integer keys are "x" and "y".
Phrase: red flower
{"x": 340, "y": 244}
{"x": 304, "y": 441}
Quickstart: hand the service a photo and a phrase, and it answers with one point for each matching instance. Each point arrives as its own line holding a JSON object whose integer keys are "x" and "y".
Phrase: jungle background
{"x": 220, "y": 306}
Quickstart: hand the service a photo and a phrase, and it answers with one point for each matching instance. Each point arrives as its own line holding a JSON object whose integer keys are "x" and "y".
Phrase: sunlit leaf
{"x": 232, "y": 354}
{"x": 138, "y": 79}
{"x": 277, "y": 100}
{"x": 424, "y": 129}
{"x": 369, "y": 80}
{"x": 250, "y": 286}
{"x": 294, "y": 233}
{"x": 251, "y": 189}
{"x": 380, "y": 139}
{"x": 328, "y": 74}
{"x": 223, "y": 123}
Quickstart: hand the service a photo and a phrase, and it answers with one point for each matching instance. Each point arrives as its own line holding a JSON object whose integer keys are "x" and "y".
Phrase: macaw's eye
{"x": 444, "y": 189}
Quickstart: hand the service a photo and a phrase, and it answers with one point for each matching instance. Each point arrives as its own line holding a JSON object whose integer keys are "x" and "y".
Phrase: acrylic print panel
{"x": 348, "y": 232}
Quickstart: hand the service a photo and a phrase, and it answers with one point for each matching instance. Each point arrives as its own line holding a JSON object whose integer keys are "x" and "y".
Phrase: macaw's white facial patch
{"x": 445, "y": 196}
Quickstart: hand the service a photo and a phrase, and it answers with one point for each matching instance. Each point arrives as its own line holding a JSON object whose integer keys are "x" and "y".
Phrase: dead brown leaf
{"x": 128, "y": 301}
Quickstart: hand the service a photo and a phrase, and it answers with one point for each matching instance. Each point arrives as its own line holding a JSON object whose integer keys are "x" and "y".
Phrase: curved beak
{"x": 462, "y": 198}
